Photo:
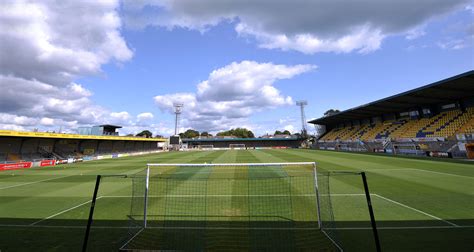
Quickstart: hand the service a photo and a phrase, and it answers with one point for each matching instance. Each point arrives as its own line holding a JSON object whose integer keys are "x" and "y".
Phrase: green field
{"x": 420, "y": 205}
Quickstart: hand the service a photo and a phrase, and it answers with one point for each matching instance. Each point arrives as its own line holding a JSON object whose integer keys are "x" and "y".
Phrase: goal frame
{"x": 206, "y": 147}
{"x": 316, "y": 186}
{"x": 313, "y": 164}
{"x": 237, "y": 146}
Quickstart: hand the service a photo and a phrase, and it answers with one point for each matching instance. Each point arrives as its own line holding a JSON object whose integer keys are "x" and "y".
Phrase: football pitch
{"x": 419, "y": 204}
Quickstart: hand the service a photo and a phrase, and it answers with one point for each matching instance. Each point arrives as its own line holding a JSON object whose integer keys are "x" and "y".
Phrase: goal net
{"x": 206, "y": 147}
{"x": 237, "y": 146}
{"x": 256, "y": 207}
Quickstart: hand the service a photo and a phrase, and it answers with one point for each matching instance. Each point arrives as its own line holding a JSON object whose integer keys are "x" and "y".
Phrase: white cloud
{"x": 415, "y": 33}
{"x": 144, "y": 116}
{"x": 47, "y": 121}
{"x": 305, "y": 26}
{"x": 121, "y": 116}
{"x": 231, "y": 94}
{"x": 290, "y": 128}
{"x": 48, "y": 45}
{"x": 454, "y": 44}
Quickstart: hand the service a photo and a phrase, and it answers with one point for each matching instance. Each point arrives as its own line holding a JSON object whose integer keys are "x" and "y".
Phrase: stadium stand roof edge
{"x": 448, "y": 90}
{"x": 237, "y": 139}
{"x": 12, "y": 133}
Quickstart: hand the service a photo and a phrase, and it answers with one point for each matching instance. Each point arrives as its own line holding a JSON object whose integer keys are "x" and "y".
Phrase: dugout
{"x": 470, "y": 150}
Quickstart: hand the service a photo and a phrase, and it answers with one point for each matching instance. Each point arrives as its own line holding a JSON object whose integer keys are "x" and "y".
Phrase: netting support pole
{"x": 371, "y": 212}
{"x": 91, "y": 214}
{"x": 316, "y": 190}
{"x": 147, "y": 181}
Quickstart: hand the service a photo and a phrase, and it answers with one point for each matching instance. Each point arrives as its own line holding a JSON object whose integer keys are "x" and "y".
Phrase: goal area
{"x": 237, "y": 146}
{"x": 241, "y": 207}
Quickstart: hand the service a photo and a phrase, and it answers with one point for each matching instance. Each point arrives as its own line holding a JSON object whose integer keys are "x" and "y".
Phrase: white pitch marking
{"x": 133, "y": 237}
{"x": 443, "y": 173}
{"x": 342, "y": 228}
{"x": 34, "y": 182}
{"x": 415, "y": 169}
{"x": 416, "y": 210}
{"x": 64, "y": 211}
{"x": 232, "y": 195}
{"x": 396, "y": 228}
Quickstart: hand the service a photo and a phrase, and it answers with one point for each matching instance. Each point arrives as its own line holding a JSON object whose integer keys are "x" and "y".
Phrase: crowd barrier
{"x": 54, "y": 162}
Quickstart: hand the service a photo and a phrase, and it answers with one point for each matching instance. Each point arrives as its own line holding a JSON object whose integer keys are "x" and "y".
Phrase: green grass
{"x": 420, "y": 205}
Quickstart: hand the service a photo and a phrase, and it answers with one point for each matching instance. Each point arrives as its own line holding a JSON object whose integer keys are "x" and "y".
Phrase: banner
{"x": 47, "y": 162}
{"x": 63, "y": 161}
{"x": 439, "y": 154}
{"x": 14, "y": 166}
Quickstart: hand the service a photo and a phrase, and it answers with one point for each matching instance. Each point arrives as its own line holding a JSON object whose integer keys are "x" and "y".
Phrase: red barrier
{"x": 47, "y": 163}
{"x": 14, "y": 166}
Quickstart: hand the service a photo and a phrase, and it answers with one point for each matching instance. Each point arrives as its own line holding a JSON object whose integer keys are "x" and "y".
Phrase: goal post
{"x": 206, "y": 147}
{"x": 232, "y": 206}
{"x": 251, "y": 205}
{"x": 237, "y": 146}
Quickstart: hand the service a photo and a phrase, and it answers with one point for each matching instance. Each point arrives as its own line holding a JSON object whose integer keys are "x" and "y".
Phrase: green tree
{"x": 286, "y": 132}
{"x": 190, "y": 133}
{"x": 331, "y": 112}
{"x": 206, "y": 134}
{"x": 277, "y": 132}
{"x": 145, "y": 133}
{"x": 237, "y": 132}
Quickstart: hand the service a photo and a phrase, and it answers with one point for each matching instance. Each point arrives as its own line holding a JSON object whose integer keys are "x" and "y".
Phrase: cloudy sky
{"x": 65, "y": 64}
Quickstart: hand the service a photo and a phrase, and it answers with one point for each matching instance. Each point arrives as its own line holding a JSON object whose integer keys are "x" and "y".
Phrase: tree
{"x": 286, "y": 132}
{"x": 190, "y": 133}
{"x": 145, "y": 133}
{"x": 331, "y": 112}
{"x": 237, "y": 132}
{"x": 206, "y": 134}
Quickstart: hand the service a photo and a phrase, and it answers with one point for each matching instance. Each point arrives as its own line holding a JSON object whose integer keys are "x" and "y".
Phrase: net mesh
{"x": 237, "y": 146}
{"x": 227, "y": 207}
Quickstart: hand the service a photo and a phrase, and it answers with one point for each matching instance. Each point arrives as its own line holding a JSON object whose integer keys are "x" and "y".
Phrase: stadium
{"x": 182, "y": 126}
{"x": 254, "y": 193}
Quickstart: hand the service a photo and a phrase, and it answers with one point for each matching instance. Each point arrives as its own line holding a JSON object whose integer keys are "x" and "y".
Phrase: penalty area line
{"x": 416, "y": 210}
{"x": 63, "y": 211}
{"x": 34, "y": 182}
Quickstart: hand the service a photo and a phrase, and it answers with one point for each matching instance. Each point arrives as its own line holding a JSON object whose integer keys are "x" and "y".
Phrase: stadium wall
{"x": 250, "y": 143}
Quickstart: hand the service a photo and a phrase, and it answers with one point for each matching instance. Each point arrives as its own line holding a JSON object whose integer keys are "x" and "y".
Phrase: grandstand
{"x": 33, "y": 147}
{"x": 438, "y": 117}
{"x": 244, "y": 143}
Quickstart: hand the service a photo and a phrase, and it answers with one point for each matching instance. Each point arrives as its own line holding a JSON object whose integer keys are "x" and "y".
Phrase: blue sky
{"x": 127, "y": 62}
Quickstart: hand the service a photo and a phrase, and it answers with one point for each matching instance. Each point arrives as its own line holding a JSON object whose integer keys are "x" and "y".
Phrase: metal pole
{"x": 176, "y": 124}
{"x": 316, "y": 189}
{"x": 371, "y": 212}
{"x": 146, "y": 197}
{"x": 91, "y": 214}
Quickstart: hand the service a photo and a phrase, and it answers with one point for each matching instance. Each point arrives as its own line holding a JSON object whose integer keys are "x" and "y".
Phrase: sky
{"x": 67, "y": 64}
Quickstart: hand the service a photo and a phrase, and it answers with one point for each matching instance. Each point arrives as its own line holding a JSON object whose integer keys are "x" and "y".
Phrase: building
{"x": 436, "y": 120}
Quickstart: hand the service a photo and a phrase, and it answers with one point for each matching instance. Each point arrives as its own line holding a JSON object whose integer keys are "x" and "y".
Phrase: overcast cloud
{"x": 305, "y": 26}
{"x": 44, "y": 47}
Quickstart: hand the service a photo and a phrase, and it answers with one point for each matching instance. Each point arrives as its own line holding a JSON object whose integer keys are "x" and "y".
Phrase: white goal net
{"x": 206, "y": 147}
{"x": 237, "y": 146}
